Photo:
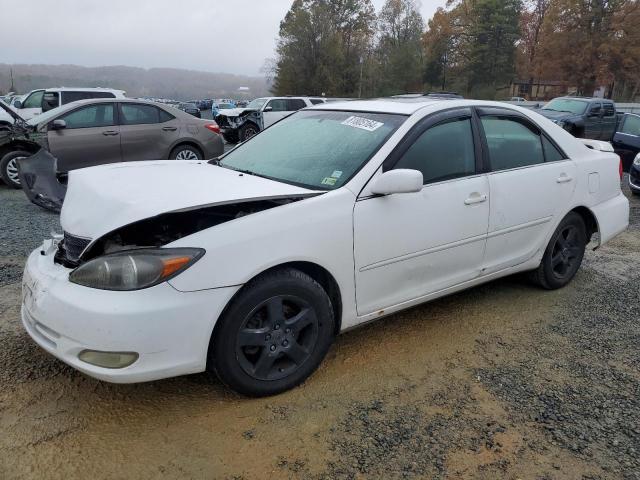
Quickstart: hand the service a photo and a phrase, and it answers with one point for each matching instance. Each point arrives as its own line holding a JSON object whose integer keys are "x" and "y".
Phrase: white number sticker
{"x": 363, "y": 123}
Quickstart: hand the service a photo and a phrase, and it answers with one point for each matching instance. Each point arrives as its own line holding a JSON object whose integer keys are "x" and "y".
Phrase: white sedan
{"x": 335, "y": 216}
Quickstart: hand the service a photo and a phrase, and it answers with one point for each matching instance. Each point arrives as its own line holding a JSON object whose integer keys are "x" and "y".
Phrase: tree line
{"x": 344, "y": 48}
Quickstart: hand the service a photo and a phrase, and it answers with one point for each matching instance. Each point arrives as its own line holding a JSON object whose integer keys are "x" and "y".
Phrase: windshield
{"x": 48, "y": 115}
{"x": 566, "y": 105}
{"x": 257, "y": 103}
{"x": 316, "y": 149}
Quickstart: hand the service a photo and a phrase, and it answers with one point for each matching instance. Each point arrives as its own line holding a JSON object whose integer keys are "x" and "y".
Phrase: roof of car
{"x": 83, "y": 89}
{"x": 405, "y": 106}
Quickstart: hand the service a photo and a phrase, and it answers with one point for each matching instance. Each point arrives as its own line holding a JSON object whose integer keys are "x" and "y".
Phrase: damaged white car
{"x": 337, "y": 215}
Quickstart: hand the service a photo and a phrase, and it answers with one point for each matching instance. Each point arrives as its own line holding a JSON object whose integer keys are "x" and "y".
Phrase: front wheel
{"x": 273, "y": 335}
{"x": 247, "y": 131}
{"x": 9, "y": 167}
{"x": 563, "y": 255}
{"x": 185, "y": 152}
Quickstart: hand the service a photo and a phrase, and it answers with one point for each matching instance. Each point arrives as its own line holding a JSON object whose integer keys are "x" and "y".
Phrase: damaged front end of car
{"x": 231, "y": 123}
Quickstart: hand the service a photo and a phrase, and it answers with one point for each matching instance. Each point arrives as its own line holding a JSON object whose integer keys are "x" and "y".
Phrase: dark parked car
{"x": 100, "y": 131}
{"x": 634, "y": 176}
{"x": 626, "y": 141}
{"x": 593, "y": 118}
{"x": 190, "y": 108}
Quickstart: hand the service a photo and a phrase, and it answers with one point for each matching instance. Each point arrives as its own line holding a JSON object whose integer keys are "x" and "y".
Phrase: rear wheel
{"x": 563, "y": 255}
{"x": 9, "y": 167}
{"x": 185, "y": 152}
{"x": 273, "y": 335}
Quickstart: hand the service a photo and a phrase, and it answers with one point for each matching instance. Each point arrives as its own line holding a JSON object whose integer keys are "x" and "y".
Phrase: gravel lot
{"x": 502, "y": 381}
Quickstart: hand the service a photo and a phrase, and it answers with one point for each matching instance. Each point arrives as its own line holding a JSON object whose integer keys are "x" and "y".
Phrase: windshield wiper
{"x": 239, "y": 170}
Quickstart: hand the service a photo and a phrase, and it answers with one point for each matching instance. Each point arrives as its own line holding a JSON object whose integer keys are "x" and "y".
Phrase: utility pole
{"x": 12, "y": 88}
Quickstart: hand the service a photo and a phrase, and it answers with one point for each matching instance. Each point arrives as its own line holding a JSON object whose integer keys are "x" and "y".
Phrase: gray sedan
{"x": 100, "y": 131}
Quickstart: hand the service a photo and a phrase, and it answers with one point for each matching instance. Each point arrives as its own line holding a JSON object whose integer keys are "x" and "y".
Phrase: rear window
{"x": 316, "y": 101}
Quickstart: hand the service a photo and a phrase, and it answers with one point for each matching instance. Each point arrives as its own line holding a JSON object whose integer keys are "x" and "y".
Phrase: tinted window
{"x": 595, "y": 109}
{"x": 279, "y": 105}
{"x": 137, "y": 114}
{"x": 68, "y": 97}
{"x": 50, "y": 100}
{"x": 317, "y": 149}
{"x": 100, "y": 115}
{"x": 511, "y": 143}
{"x": 566, "y": 105}
{"x": 34, "y": 100}
{"x": 316, "y": 101}
{"x": 442, "y": 152}
{"x": 631, "y": 125}
{"x": 295, "y": 104}
{"x": 551, "y": 153}
{"x": 165, "y": 116}
{"x": 609, "y": 110}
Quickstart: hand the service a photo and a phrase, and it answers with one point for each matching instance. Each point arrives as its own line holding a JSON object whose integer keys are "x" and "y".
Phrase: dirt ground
{"x": 504, "y": 381}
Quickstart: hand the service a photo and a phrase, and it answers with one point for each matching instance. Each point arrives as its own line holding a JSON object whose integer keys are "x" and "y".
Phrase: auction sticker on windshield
{"x": 363, "y": 123}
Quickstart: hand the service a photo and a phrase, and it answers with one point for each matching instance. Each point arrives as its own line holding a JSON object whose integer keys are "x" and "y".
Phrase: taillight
{"x": 213, "y": 127}
{"x": 621, "y": 171}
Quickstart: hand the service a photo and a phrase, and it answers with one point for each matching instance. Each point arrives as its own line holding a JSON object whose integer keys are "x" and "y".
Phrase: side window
{"x": 511, "y": 143}
{"x": 34, "y": 100}
{"x": 137, "y": 114}
{"x": 595, "y": 109}
{"x": 609, "y": 110}
{"x": 442, "y": 152}
{"x": 279, "y": 105}
{"x": 316, "y": 101}
{"x": 551, "y": 153}
{"x": 295, "y": 104}
{"x": 68, "y": 97}
{"x": 100, "y": 95}
{"x": 50, "y": 100}
{"x": 631, "y": 125}
{"x": 165, "y": 116}
{"x": 100, "y": 115}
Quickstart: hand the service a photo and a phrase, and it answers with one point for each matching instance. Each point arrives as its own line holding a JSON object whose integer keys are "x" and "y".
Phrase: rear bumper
{"x": 612, "y": 217}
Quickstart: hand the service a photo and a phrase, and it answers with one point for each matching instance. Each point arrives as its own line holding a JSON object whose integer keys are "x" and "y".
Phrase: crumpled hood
{"x": 555, "y": 115}
{"x": 233, "y": 112}
{"x": 101, "y": 199}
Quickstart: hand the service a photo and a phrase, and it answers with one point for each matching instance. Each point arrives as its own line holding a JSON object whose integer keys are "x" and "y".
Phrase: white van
{"x": 42, "y": 100}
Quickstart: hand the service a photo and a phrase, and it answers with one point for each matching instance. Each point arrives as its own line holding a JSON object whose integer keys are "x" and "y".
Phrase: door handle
{"x": 169, "y": 129}
{"x": 564, "y": 178}
{"x": 475, "y": 198}
{"x": 109, "y": 133}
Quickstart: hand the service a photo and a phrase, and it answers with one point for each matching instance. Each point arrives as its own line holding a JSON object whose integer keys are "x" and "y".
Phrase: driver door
{"x": 410, "y": 245}
{"x": 593, "y": 122}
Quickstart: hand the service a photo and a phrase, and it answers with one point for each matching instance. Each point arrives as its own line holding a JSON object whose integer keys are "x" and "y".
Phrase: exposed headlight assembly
{"x": 135, "y": 269}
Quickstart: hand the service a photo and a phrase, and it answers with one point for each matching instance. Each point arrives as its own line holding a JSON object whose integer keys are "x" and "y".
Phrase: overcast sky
{"x": 233, "y": 36}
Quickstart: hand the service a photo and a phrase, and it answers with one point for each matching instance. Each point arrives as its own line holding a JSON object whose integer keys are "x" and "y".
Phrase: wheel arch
{"x": 590, "y": 220}
{"x": 186, "y": 141}
{"x": 18, "y": 145}
{"x": 320, "y": 274}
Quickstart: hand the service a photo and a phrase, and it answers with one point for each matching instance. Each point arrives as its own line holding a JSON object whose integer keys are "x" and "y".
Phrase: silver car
{"x": 100, "y": 131}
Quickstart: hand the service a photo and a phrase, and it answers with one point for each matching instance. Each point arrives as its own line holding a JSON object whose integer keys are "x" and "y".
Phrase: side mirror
{"x": 268, "y": 109}
{"x": 58, "y": 124}
{"x": 398, "y": 181}
{"x": 17, "y": 104}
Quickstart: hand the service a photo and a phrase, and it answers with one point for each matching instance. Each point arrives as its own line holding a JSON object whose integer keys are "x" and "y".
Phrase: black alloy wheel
{"x": 277, "y": 337}
{"x": 273, "y": 334}
{"x": 563, "y": 255}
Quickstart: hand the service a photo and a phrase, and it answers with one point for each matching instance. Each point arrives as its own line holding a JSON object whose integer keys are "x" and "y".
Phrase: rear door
{"x": 626, "y": 140}
{"x": 91, "y": 137}
{"x": 147, "y": 132}
{"x": 531, "y": 182}
{"x": 608, "y": 121}
{"x": 593, "y": 121}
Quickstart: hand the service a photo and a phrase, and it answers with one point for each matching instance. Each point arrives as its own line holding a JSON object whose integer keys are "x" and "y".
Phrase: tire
{"x": 247, "y": 131}
{"x": 563, "y": 255}
{"x": 230, "y": 138}
{"x": 9, "y": 167}
{"x": 273, "y": 335}
{"x": 185, "y": 152}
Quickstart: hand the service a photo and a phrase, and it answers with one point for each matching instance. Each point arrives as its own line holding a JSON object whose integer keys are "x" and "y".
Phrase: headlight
{"x": 135, "y": 269}
{"x": 636, "y": 161}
